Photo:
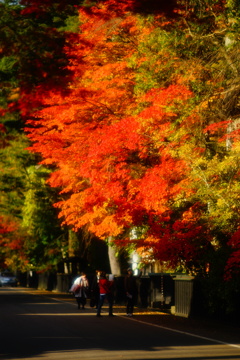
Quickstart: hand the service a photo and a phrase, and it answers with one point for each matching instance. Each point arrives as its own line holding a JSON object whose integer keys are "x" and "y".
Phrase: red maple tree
{"x": 113, "y": 150}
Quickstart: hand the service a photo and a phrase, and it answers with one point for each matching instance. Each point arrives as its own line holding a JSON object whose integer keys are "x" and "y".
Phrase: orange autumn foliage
{"x": 113, "y": 155}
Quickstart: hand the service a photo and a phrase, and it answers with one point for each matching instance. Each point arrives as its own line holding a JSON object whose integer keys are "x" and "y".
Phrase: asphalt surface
{"x": 46, "y": 325}
{"x": 216, "y": 329}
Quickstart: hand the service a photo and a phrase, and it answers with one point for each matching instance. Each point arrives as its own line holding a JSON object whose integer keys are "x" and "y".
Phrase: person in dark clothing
{"x": 95, "y": 290}
{"x": 130, "y": 286}
{"x": 105, "y": 290}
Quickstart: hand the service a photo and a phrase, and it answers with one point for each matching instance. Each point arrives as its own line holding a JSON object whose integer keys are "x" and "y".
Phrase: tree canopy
{"x": 131, "y": 109}
{"x": 146, "y": 136}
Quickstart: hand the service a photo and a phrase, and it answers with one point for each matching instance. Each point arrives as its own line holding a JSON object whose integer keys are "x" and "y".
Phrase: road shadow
{"x": 48, "y": 326}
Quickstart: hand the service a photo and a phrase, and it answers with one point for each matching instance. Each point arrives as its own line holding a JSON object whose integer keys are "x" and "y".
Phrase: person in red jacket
{"x": 105, "y": 290}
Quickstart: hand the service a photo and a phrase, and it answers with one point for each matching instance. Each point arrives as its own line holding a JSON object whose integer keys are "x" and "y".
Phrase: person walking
{"x": 95, "y": 290}
{"x": 80, "y": 290}
{"x": 130, "y": 286}
{"x": 105, "y": 292}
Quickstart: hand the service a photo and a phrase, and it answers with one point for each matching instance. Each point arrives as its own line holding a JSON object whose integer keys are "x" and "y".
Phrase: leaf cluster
{"x": 146, "y": 134}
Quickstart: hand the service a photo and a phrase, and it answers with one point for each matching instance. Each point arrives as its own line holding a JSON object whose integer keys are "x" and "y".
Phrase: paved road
{"x": 35, "y": 326}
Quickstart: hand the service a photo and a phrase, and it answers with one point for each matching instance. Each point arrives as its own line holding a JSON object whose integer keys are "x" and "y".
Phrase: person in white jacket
{"x": 80, "y": 290}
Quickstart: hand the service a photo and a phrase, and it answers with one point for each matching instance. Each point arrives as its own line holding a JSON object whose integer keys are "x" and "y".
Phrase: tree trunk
{"x": 113, "y": 259}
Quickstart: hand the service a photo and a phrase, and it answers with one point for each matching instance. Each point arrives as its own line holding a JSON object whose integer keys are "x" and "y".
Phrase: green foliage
{"x": 31, "y": 54}
{"x": 7, "y": 66}
{"x": 71, "y": 24}
{"x": 39, "y": 220}
{"x": 32, "y": 43}
{"x": 14, "y": 159}
{"x": 27, "y": 201}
